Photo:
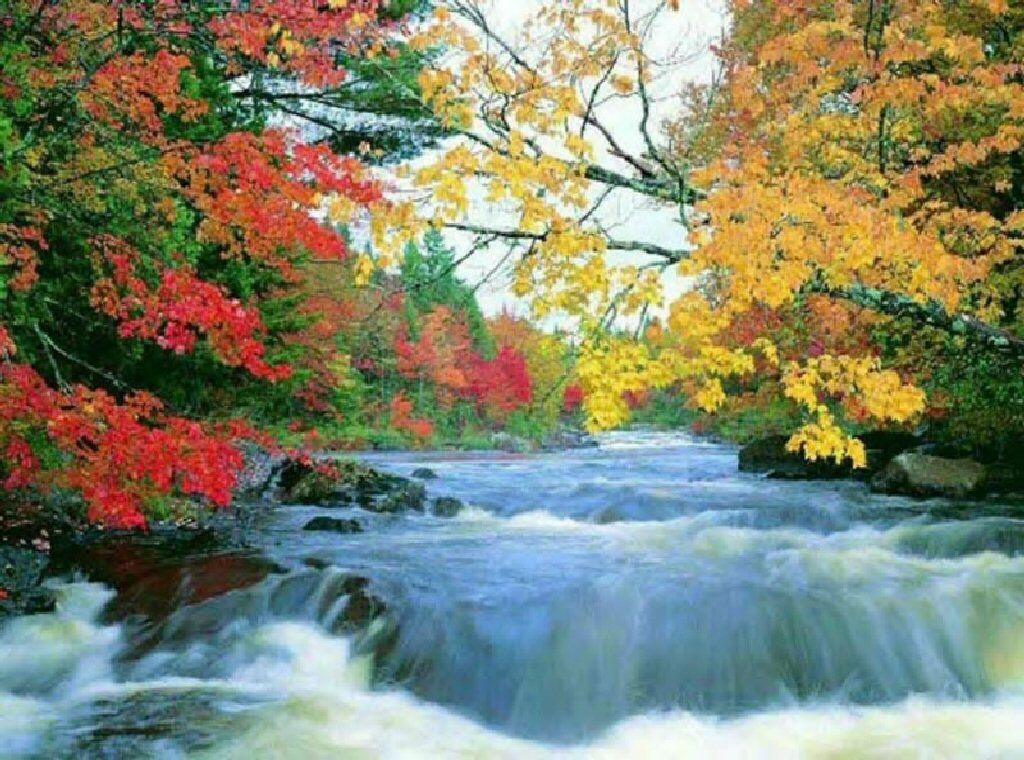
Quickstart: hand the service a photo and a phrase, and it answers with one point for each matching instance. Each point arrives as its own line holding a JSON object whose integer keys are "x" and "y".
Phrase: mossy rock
{"x": 924, "y": 475}
{"x": 408, "y": 496}
{"x": 446, "y": 506}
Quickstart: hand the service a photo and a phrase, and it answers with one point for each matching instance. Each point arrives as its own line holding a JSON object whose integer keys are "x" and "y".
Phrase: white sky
{"x": 698, "y": 23}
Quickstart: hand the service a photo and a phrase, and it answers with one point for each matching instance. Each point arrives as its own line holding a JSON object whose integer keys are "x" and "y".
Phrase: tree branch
{"x": 672, "y": 255}
{"x": 930, "y": 313}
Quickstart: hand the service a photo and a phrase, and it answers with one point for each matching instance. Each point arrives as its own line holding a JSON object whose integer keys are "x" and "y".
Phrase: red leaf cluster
{"x": 502, "y": 384}
{"x": 296, "y": 36}
{"x": 178, "y": 310}
{"x": 572, "y": 399}
{"x": 444, "y": 355}
{"x": 120, "y": 456}
{"x": 136, "y": 92}
{"x": 19, "y": 248}
{"x": 260, "y": 195}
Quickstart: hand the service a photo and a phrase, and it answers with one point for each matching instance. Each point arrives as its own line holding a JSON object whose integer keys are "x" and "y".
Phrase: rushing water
{"x": 643, "y": 600}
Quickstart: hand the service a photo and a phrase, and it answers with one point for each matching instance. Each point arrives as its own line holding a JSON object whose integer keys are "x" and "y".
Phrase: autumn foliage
{"x": 188, "y": 235}
{"x": 136, "y": 172}
{"x": 849, "y": 184}
{"x": 444, "y": 354}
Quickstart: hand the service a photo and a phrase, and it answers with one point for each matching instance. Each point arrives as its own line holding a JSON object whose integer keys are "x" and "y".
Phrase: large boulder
{"x": 884, "y": 445}
{"x": 313, "y": 486}
{"x": 769, "y": 455}
{"x": 22, "y": 592}
{"x": 346, "y": 483}
{"x": 925, "y": 475}
{"x": 259, "y": 472}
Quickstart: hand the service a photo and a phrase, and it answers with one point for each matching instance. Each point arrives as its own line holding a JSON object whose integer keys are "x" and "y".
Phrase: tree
{"x": 865, "y": 153}
{"x": 549, "y": 364}
{"x": 443, "y": 356}
{"x": 500, "y": 385}
{"x": 430, "y": 279}
{"x": 154, "y": 212}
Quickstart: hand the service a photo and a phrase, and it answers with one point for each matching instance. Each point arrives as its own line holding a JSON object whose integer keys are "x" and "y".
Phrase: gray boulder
{"x": 21, "y": 577}
{"x": 568, "y": 439}
{"x": 424, "y": 473}
{"x": 259, "y": 472}
{"x": 924, "y": 475}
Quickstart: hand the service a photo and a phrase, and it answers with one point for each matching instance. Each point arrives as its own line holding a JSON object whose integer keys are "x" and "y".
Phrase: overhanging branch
{"x": 672, "y": 255}
{"x": 930, "y": 313}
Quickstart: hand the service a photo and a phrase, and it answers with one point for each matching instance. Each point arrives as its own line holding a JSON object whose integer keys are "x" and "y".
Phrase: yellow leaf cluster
{"x": 880, "y": 393}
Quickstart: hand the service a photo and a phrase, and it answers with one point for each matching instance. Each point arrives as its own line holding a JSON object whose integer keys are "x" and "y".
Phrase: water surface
{"x": 639, "y": 600}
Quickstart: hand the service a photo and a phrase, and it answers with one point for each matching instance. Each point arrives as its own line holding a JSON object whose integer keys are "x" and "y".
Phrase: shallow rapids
{"x": 639, "y": 600}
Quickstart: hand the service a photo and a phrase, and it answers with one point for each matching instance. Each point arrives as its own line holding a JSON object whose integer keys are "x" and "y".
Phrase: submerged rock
{"x": 424, "y": 473}
{"x": 362, "y": 608}
{"x": 154, "y": 578}
{"x": 608, "y": 515}
{"x": 446, "y": 506}
{"x": 924, "y": 475}
{"x": 333, "y": 525}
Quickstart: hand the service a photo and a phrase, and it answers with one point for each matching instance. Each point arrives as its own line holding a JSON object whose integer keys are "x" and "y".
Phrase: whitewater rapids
{"x": 639, "y": 601}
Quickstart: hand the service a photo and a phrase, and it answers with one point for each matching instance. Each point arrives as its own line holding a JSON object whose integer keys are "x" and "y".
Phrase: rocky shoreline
{"x": 201, "y": 554}
{"x": 40, "y": 541}
{"x": 899, "y": 464}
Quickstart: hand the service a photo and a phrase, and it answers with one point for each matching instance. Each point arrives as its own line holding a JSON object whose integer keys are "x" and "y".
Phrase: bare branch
{"x": 673, "y": 255}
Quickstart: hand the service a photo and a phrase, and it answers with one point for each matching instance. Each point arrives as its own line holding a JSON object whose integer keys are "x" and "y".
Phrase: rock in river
{"x": 446, "y": 506}
{"x": 914, "y": 474}
{"x": 769, "y": 455}
{"x": 333, "y": 525}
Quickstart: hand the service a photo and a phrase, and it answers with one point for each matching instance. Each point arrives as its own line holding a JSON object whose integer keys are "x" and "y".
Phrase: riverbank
{"x": 899, "y": 464}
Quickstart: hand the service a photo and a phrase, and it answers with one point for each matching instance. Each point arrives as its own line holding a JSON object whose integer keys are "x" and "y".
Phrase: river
{"x": 640, "y": 600}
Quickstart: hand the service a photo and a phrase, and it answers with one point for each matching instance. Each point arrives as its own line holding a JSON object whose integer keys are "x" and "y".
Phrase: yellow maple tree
{"x": 821, "y": 162}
